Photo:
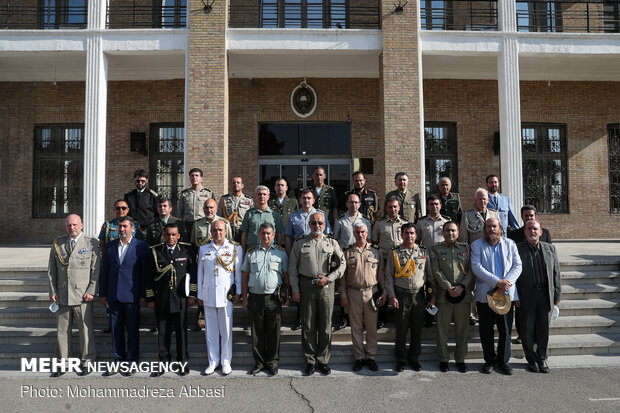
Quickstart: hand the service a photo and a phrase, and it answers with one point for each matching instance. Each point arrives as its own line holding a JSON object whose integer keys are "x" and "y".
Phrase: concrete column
{"x": 507, "y": 15}
{"x": 95, "y": 120}
{"x": 206, "y": 127}
{"x": 510, "y": 122}
{"x": 401, "y": 96}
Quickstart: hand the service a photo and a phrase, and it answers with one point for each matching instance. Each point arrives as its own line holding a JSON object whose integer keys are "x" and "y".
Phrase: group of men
{"x": 268, "y": 251}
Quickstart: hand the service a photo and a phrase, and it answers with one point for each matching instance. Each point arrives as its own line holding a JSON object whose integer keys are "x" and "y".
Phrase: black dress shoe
{"x": 487, "y": 368}
{"x": 106, "y": 330}
{"x": 324, "y": 369}
{"x": 542, "y": 367}
{"x": 185, "y": 371}
{"x": 84, "y": 372}
{"x": 372, "y": 365}
{"x": 505, "y": 369}
{"x": 296, "y": 326}
{"x": 472, "y": 321}
{"x": 310, "y": 369}
{"x": 109, "y": 373}
{"x": 380, "y": 324}
{"x": 517, "y": 340}
{"x": 357, "y": 366}
{"x": 415, "y": 366}
{"x": 272, "y": 371}
{"x": 57, "y": 374}
{"x": 400, "y": 366}
{"x": 153, "y": 330}
{"x": 462, "y": 367}
{"x": 196, "y": 328}
{"x": 256, "y": 369}
{"x": 532, "y": 367}
{"x": 443, "y": 366}
{"x": 129, "y": 373}
{"x": 158, "y": 373}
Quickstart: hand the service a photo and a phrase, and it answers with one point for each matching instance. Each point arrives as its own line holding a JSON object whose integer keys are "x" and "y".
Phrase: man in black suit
{"x": 121, "y": 286}
{"x": 166, "y": 292}
{"x": 539, "y": 288}
{"x": 142, "y": 201}
{"x": 528, "y": 213}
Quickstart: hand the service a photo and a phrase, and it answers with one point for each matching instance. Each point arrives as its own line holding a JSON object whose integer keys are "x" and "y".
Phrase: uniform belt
{"x": 407, "y": 290}
{"x": 362, "y": 289}
{"x": 307, "y": 276}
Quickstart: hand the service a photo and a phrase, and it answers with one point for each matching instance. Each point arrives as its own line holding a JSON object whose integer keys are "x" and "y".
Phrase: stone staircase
{"x": 589, "y": 323}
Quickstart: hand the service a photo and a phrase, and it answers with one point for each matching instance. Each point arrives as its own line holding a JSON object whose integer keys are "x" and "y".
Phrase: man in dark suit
{"x": 122, "y": 287}
{"x": 539, "y": 289}
{"x": 528, "y": 213}
{"x": 170, "y": 266}
{"x": 142, "y": 201}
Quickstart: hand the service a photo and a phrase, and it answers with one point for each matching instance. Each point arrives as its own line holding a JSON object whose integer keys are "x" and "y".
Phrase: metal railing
{"x": 44, "y": 18}
{"x": 131, "y": 17}
{"x": 458, "y": 15}
{"x": 572, "y": 16}
{"x": 296, "y": 14}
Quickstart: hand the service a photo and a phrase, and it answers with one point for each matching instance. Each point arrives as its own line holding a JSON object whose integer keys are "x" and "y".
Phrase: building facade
{"x": 93, "y": 89}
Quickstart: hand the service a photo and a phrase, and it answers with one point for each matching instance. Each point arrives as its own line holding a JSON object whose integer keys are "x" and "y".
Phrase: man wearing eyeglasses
{"x": 316, "y": 262}
{"x": 142, "y": 202}
{"x": 109, "y": 229}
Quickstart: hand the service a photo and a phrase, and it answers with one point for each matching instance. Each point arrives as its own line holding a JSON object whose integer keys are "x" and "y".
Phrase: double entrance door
{"x": 298, "y": 173}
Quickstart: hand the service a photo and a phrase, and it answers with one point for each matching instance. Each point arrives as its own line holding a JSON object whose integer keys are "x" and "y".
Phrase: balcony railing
{"x": 458, "y": 15}
{"x": 136, "y": 16}
{"x": 45, "y": 18}
{"x": 568, "y": 16}
{"x": 317, "y": 14}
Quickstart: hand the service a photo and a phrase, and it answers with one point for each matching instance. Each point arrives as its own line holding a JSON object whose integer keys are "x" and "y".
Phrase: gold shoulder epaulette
{"x": 153, "y": 192}
{"x": 185, "y": 243}
{"x": 157, "y": 245}
{"x": 278, "y": 247}
{"x": 234, "y": 243}
{"x": 187, "y": 189}
{"x": 446, "y": 217}
{"x": 255, "y": 247}
{"x": 298, "y": 238}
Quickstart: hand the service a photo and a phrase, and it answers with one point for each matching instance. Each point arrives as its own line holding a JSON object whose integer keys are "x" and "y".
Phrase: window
{"x": 169, "y": 13}
{"x": 166, "y": 160}
{"x": 613, "y": 132}
{"x": 611, "y": 21}
{"x": 304, "y": 139}
{"x": 304, "y": 13}
{"x": 63, "y": 14}
{"x": 440, "y": 154}
{"x": 539, "y": 16}
{"x": 545, "y": 166}
{"x": 58, "y": 170}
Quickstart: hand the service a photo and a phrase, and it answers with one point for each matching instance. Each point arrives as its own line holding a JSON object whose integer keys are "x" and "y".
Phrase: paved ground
{"x": 563, "y": 390}
{"x": 568, "y": 251}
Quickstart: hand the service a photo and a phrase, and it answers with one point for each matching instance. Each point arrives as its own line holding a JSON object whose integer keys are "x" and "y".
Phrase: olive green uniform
{"x": 451, "y": 206}
{"x": 201, "y": 231}
{"x": 326, "y": 201}
{"x": 410, "y": 204}
{"x": 234, "y": 208}
{"x": 284, "y": 208}
{"x": 451, "y": 267}
{"x": 190, "y": 205}
{"x": 472, "y": 225}
{"x": 309, "y": 258}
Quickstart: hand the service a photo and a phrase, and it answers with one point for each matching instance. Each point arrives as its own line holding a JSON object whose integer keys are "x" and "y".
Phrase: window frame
{"x": 155, "y": 155}
{"x": 452, "y": 140}
{"x": 613, "y": 132}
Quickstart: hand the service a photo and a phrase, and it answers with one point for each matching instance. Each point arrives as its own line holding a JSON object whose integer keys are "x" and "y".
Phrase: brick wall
{"x": 132, "y": 106}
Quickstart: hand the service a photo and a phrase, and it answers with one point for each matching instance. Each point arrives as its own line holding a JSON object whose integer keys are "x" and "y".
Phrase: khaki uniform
{"x": 430, "y": 231}
{"x": 472, "y": 225}
{"x": 326, "y": 201}
{"x": 410, "y": 204}
{"x": 407, "y": 285}
{"x": 363, "y": 277}
{"x": 451, "y": 206}
{"x": 369, "y": 202}
{"x": 285, "y": 209}
{"x": 201, "y": 231}
{"x": 233, "y": 209}
{"x": 309, "y": 258}
{"x": 73, "y": 272}
{"x": 451, "y": 266}
{"x": 191, "y": 203}
{"x": 386, "y": 234}
{"x": 155, "y": 230}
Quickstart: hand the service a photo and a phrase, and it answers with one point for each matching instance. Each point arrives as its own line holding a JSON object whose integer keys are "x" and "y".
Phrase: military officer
{"x": 450, "y": 261}
{"x": 324, "y": 195}
{"x": 192, "y": 199}
{"x": 362, "y": 280}
{"x": 430, "y": 228}
{"x": 298, "y": 223}
{"x": 219, "y": 268}
{"x": 410, "y": 204}
{"x": 316, "y": 262}
{"x": 167, "y": 293}
{"x": 155, "y": 230}
{"x": 472, "y": 225}
{"x": 281, "y": 202}
{"x": 234, "y": 206}
{"x": 386, "y": 235}
{"x": 405, "y": 280}
{"x": 201, "y": 230}
{"x": 142, "y": 201}
{"x": 256, "y": 216}
{"x": 73, "y": 273}
{"x": 109, "y": 229}
{"x": 343, "y": 230}
{"x": 450, "y": 201}
{"x": 265, "y": 272}
{"x": 369, "y": 200}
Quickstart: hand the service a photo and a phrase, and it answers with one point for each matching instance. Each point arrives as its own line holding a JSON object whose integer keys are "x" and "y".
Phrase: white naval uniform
{"x": 213, "y": 285}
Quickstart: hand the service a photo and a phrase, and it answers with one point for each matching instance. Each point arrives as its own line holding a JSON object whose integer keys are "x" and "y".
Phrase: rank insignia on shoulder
{"x": 157, "y": 245}
{"x": 185, "y": 243}
{"x": 279, "y": 247}
{"x": 253, "y": 248}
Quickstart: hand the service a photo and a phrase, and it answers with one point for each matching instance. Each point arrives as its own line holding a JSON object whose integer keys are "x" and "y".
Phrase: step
{"x": 604, "y": 264}
{"x": 590, "y": 276}
{"x": 588, "y": 291}
{"x": 8, "y": 273}
{"x": 593, "y": 306}
{"x": 26, "y": 285}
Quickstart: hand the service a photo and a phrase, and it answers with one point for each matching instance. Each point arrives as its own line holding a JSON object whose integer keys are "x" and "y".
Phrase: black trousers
{"x": 535, "y": 326}
{"x": 166, "y": 323}
{"x": 487, "y": 319}
{"x": 409, "y": 316}
{"x": 265, "y": 321}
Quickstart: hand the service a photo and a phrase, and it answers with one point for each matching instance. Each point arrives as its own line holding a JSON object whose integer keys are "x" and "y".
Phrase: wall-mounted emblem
{"x": 303, "y": 100}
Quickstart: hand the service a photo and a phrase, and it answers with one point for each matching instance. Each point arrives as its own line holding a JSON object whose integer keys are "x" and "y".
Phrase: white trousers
{"x": 218, "y": 325}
